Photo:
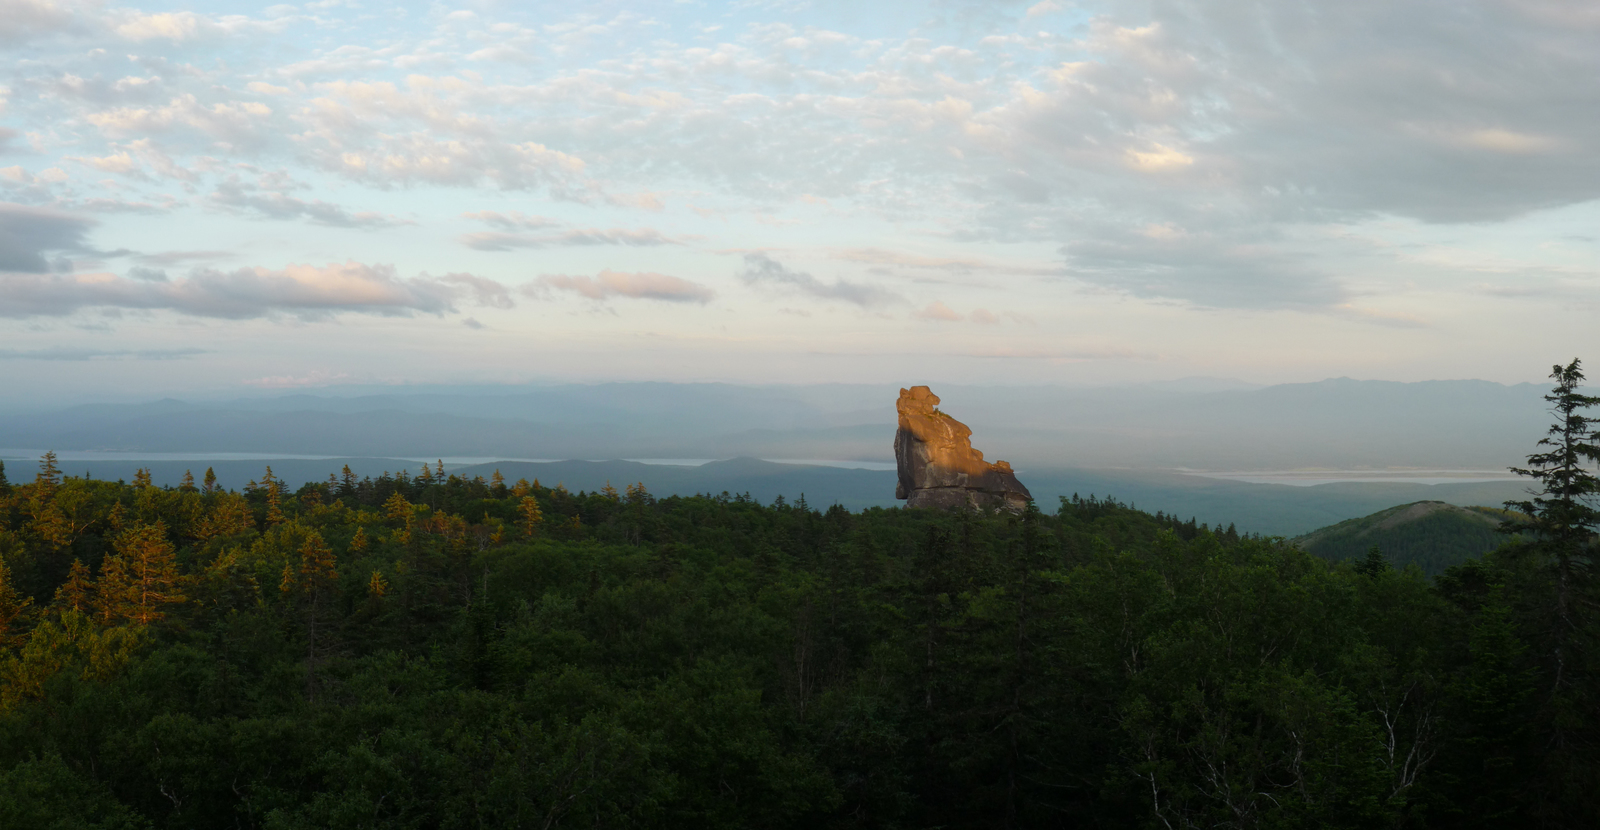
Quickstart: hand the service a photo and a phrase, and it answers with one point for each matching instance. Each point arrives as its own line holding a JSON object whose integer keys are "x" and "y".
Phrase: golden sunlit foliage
{"x": 142, "y": 577}
{"x": 531, "y": 515}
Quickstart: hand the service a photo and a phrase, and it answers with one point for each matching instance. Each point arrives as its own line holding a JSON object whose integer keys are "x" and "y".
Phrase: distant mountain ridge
{"x": 1206, "y": 425}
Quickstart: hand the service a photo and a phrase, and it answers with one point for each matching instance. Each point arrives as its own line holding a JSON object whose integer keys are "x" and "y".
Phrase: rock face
{"x": 938, "y": 466}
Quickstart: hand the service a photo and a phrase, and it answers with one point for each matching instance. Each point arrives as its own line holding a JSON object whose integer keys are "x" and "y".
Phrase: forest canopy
{"x": 434, "y": 651}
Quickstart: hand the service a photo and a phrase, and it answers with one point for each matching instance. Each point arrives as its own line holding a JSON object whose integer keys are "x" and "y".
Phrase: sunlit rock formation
{"x": 938, "y": 466}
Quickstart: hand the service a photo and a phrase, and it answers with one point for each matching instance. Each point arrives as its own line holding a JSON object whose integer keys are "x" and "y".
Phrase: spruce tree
{"x": 531, "y": 515}
{"x": 149, "y": 576}
{"x": 75, "y": 593}
{"x": 12, "y": 605}
{"x": 1561, "y": 515}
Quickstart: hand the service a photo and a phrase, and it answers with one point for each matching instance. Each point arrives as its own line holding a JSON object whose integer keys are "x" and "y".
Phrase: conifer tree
{"x": 317, "y": 566}
{"x": 152, "y": 571}
{"x": 12, "y": 605}
{"x": 5, "y": 486}
{"x": 610, "y": 492}
{"x": 77, "y": 592}
{"x": 141, "y": 477}
{"x": 210, "y": 481}
{"x": 1375, "y": 562}
{"x": 230, "y": 515}
{"x": 187, "y": 485}
{"x": 49, "y": 477}
{"x": 520, "y": 489}
{"x": 531, "y": 515}
{"x": 377, "y": 586}
{"x": 358, "y": 542}
{"x": 111, "y": 590}
{"x": 313, "y": 581}
{"x": 397, "y": 509}
{"x": 347, "y": 482}
{"x": 274, "y": 499}
{"x": 145, "y": 579}
{"x": 1562, "y": 518}
{"x": 497, "y": 482}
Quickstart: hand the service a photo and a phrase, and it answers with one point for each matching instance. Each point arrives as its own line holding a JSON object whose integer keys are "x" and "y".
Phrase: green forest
{"x": 1432, "y": 535}
{"x": 428, "y": 651}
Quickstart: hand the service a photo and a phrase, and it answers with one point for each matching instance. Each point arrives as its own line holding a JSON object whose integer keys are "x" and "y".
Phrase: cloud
{"x": 1147, "y": 115}
{"x": 936, "y": 312}
{"x": 512, "y": 220}
{"x": 165, "y": 26}
{"x": 28, "y": 233}
{"x": 304, "y": 291}
{"x": 1041, "y": 9}
{"x": 176, "y": 257}
{"x": 498, "y": 241}
{"x": 760, "y": 269}
{"x": 609, "y": 284}
{"x": 239, "y": 123}
{"x": 953, "y": 264}
{"x": 276, "y": 204}
{"x": 513, "y": 233}
{"x": 21, "y": 19}
{"x": 1205, "y": 268}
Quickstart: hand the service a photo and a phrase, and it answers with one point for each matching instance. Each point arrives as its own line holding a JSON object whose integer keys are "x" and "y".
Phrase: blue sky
{"x": 213, "y": 197}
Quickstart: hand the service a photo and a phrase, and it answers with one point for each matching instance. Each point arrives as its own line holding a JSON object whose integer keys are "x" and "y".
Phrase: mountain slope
{"x": 1430, "y": 534}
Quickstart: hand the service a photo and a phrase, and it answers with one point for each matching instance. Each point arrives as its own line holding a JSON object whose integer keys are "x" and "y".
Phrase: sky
{"x": 220, "y": 198}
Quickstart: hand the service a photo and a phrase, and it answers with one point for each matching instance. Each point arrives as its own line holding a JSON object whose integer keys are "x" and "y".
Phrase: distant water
{"x": 1310, "y": 478}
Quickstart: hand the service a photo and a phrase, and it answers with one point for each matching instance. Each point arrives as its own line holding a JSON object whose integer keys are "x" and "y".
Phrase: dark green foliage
{"x": 714, "y": 662}
{"x": 1429, "y": 534}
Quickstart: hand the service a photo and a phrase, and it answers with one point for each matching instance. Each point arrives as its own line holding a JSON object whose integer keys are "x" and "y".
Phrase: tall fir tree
{"x": 274, "y": 499}
{"x": 1561, "y": 516}
{"x": 146, "y": 579}
{"x": 12, "y": 606}
{"x": 49, "y": 477}
{"x": 76, "y": 594}
{"x": 531, "y": 515}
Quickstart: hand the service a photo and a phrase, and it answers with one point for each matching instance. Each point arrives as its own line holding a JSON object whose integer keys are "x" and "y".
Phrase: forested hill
{"x": 1432, "y": 535}
{"x": 443, "y": 652}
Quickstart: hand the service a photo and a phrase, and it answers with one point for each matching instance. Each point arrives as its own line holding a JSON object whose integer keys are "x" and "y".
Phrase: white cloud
{"x": 500, "y": 241}
{"x": 300, "y": 290}
{"x": 762, "y": 270}
{"x": 269, "y": 203}
{"x": 936, "y": 312}
{"x": 164, "y": 25}
{"x": 20, "y": 19}
{"x": 608, "y": 284}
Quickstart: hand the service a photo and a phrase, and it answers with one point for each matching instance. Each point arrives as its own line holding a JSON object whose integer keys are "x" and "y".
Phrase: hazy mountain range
{"x": 1201, "y": 424}
{"x": 1132, "y": 442}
